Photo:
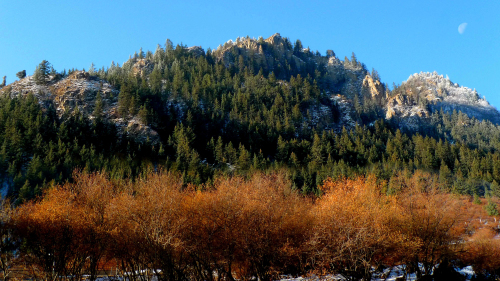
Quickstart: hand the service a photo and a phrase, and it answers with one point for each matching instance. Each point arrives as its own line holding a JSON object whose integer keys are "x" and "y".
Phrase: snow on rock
{"x": 442, "y": 93}
{"x": 78, "y": 92}
{"x": 346, "y": 111}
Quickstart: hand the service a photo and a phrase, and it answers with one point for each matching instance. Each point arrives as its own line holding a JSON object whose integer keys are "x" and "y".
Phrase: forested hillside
{"x": 250, "y": 105}
{"x": 260, "y": 159}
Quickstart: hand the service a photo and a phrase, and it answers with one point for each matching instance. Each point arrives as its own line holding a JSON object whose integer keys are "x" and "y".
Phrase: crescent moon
{"x": 461, "y": 28}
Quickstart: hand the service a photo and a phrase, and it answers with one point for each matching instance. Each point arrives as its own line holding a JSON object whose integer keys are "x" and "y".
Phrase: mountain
{"x": 424, "y": 93}
{"x": 249, "y": 105}
{"x": 345, "y": 82}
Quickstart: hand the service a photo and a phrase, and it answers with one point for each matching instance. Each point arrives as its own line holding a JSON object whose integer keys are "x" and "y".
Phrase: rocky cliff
{"x": 79, "y": 91}
{"x": 424, "y": 93}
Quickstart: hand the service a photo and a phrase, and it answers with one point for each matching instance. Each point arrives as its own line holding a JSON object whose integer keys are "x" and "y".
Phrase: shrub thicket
{"x": 240, "y": 228}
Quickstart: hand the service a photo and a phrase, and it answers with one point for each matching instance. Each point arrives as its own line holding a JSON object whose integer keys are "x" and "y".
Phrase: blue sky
{"x": 397, "y": 38}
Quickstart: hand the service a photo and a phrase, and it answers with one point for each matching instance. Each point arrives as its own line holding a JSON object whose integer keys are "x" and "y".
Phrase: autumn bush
{"x": 54, "y": 234}
{"x": 245, "y": 228}
{"x": 483, "y": 252}
{"x": 433, "y": 220}
{"x": 352, "y": 230}
{"x": 146, "y": 220}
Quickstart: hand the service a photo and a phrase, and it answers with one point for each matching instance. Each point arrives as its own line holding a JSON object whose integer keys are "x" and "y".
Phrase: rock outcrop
{"x": 434, "y": 93}
{"x": 142, "y": 67}
{"x": 374, "y": 89}
{"x": 79, "y": 90}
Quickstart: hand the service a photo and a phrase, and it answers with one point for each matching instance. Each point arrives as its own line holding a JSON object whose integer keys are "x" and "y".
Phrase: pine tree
{"x": 98, "y": 107}
{"x": 25, "y": 192}
{"x": 316, "y": 152}
{"x": 143, "y": 115}
{"x": 41, "y": 75}
{"x": 476, "y": 200}
{"x": 375, "y": 74}
{"x": 354, "y": 60}
{"x": 491, "y": 208}
{"x": 445, "y": 176}
{"x": 297, "y": 49}
{"x": 495, "y": 189}
{"x": 92, "y": 69}
{"x": 21, "y": 74}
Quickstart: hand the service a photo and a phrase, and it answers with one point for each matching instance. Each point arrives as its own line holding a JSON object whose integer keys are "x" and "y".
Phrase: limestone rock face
{"x": 436, "y": 93}
{"x": 78, "y": 91}
{"x": 196, "y": 51}
{"x": 374, "y": 88}
{"x": 142, "y": 67}
{"x": 140, "y": 132}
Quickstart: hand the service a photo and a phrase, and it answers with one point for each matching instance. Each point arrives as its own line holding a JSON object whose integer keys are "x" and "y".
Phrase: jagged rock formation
{"x": 78, "y": 91}
{"x": 142, "y": 67}
{"x": 374, "y": 88}
{"x": 196, "y": 51}
{"x": 425, "y": 93}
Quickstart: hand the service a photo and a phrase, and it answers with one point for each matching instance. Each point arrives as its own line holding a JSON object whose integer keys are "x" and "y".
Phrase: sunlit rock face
{"x": 78, "y": 93}
{"x": 425, "y": 93}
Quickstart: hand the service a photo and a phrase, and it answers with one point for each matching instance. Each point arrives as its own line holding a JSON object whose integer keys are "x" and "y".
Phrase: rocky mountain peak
{"x": 275, "y": 39}
{"x": 437, "y": 87}
{"x": 427, "y": 92}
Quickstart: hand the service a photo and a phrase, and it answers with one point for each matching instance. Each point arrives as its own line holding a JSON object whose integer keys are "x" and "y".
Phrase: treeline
{"x": 241, "y": 229}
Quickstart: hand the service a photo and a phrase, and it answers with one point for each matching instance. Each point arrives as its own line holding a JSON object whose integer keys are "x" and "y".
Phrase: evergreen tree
{"x": 495, "y": 189}
{"x": 354, "y": 60}
{"x": 143, "y": 115}
{"x": 41, "y": 74}
{"x": 98, "y": 108}
{"x": 445, "y": 176}
{"x": 297, "y": 48}
{"x": 21, "y": 74}
{"x": 491, "y": 208}
{"x": 476, "y": 200}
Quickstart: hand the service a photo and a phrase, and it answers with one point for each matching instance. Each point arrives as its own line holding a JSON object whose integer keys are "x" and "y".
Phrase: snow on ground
{"x": 390, "y": 274}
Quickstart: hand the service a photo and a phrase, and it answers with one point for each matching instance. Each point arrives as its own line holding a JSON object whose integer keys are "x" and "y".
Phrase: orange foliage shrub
{"x": 483, "y": 253}
{"x": 146, "y": 221}
{"x": 53, "y": 232}
{"x": 434, "y": 221}
{"x": 245, "y": 228}
{"x": 352, "y": 229}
